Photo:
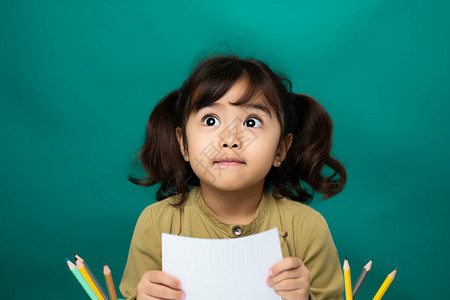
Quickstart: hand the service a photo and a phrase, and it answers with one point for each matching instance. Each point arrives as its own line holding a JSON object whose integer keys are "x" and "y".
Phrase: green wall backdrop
{"x": 78, "y": 80}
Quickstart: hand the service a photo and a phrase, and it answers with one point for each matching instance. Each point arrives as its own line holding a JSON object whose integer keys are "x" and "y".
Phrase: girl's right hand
{"x": 159, "y": 285}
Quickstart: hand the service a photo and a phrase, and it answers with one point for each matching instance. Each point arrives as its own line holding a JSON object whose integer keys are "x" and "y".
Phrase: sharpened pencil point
{"x": 67, "y": 259}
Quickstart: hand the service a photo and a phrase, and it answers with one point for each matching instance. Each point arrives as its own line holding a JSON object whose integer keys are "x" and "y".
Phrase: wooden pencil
{"x": 347, "y": 281}
{"x": 97, "y": 284}
{"x": 109, "y": 283}
{"x": 361, "y": 278}
{"x": 385, "y": 285}
{"x": 89, "y": 280}
{"x": 81, "y": 280}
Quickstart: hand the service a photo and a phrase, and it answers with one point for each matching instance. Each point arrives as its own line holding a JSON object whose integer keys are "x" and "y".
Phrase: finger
{"x": 159, "y": 285}
{"x": 163, "y": 292}
{"x": 147, "y": 297}
{"x": 289, "y": 274}
{"x": 285, "y": 264}
{"x": 294, "y": 294}
{"x": 288, "y": 285}
{"x": 163, "y": 278}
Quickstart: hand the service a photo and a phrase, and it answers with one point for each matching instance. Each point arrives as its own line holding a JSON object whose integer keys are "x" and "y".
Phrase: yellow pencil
{"x": 81, "y": 280}
{"x": 347, "y": 281}
{"x": 97, "y": 284}
{"x": 88, "y": 278}
{"x": 385, "y": 285}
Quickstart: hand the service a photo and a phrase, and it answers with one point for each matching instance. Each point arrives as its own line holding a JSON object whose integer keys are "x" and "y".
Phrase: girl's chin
{"x": 231, "y": 184}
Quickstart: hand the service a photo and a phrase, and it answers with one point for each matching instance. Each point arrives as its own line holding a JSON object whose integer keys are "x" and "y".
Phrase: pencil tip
{"x": 67, "y": 259}
{"x": 368, "y": 266}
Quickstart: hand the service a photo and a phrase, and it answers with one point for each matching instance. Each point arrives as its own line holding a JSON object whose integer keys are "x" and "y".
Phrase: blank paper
{"x": 223, "y": 269}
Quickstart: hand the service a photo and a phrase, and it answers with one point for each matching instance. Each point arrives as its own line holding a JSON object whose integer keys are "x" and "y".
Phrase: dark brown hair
{"x": 302, "y": 170}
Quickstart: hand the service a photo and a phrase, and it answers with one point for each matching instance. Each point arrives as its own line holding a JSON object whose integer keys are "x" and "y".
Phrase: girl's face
{"x": 233, "y": 147}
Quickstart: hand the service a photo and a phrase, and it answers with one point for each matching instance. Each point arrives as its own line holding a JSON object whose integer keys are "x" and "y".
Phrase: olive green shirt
{"x": 303, "y": 233}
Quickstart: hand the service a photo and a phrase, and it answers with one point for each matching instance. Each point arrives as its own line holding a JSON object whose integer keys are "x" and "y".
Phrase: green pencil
{"x": 81, "y": 280}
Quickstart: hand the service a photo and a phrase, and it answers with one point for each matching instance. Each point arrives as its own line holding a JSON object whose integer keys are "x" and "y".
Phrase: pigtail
{"x": 160, "y": 155}
{"x": 312, "y": 129}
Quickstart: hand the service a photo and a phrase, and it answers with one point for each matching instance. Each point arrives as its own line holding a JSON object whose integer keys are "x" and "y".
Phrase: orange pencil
{"x": 109, "y": 283}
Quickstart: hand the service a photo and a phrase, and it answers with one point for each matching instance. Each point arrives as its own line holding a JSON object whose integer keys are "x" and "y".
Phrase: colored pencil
{"x": 88, "y": 278}
{"x": 347, "y": 281}
{"x": 109, "y": 282}
{"x": 97, "y": 284}
{"x": 81, "y": 280}
{"x": 385, "y": 285}
{"x": 361, "y": 278}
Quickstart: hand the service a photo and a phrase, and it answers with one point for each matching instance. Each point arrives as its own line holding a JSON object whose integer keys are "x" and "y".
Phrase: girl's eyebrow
{"x": 260, "y": 107}
{"x": 256, "y": 106}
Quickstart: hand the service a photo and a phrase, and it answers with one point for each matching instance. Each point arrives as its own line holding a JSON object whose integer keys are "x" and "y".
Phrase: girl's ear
{"x": 181, "y": 143}
{"x": 282, "y": 150}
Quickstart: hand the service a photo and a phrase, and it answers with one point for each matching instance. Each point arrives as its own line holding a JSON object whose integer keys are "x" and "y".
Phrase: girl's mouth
{"x": 229, "y": 162}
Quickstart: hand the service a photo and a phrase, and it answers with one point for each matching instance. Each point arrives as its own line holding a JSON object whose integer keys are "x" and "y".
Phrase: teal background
{"x": 79, "y": 79}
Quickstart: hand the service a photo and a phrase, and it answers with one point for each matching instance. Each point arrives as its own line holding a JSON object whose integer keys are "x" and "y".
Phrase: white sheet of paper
{"x": 223, "y": 269}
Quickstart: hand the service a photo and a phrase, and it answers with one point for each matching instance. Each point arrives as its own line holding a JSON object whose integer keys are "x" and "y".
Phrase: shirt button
{"x": 237, "y": 230}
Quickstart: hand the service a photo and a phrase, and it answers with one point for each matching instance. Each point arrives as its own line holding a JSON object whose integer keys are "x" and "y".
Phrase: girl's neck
{"x": 234, "y": 207}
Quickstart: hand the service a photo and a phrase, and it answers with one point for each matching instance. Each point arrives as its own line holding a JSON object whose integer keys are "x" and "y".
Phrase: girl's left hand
{"x": 290, "y": 279}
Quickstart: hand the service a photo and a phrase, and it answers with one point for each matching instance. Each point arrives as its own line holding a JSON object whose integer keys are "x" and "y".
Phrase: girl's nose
{"x": 232, "y": 141}
{"x": 232, "y": 136}
{"x": 225, "y": 145}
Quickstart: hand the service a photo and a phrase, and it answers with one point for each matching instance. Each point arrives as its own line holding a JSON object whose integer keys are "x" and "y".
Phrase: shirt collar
{"x": 230, "y": 229}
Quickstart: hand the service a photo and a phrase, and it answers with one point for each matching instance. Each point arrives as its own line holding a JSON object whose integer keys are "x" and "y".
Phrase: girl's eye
{"x": 252, "y": 122}
{"x": 211, "y": 121}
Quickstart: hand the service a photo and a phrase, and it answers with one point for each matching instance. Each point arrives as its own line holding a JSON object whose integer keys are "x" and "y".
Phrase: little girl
{"x": 237, "y": 153}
